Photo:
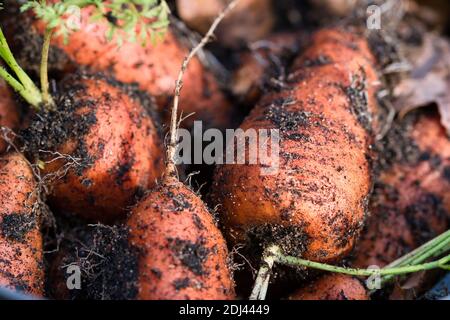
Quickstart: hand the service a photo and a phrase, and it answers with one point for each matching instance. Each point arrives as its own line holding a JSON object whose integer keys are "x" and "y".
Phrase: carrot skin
{"x": 183, "y": 254}
{"x": 326, "y": 122}
{"x": 332, "y": 287}
{"x": 21, "y": 263}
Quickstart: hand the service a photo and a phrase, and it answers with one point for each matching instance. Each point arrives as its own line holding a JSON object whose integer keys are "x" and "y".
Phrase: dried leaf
{"x": 414, "y": 281}
{"x": 409, "y": 288}
{"x": 429, "y": 79}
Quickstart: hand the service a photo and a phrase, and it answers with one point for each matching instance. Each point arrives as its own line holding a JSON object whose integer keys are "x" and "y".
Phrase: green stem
{"x": 80, "y": 3}
{"x": 46, "y": 97}
{"x": 10, "y": 80}
{"x": 438, "y": 249}
{"x": 28, "y": 96}
{"x": 425, "y": 251}
{"x": 431, "y": 249}
{"x": 297, "y": 262}
{"x": 25, "y": 86}
{"x": 409, "y": 263}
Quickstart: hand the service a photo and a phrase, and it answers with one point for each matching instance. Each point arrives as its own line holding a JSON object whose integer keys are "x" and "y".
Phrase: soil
{"x": 107, "y": 262}
{"x": 192, "y": 255}
{"x": 15, "y": 226}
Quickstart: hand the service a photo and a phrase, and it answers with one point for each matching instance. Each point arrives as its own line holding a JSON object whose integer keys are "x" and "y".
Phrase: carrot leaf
{"x": 139, "y": 20}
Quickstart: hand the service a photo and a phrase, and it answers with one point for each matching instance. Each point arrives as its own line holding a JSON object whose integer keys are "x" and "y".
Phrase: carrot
{"x": 101, "y": 148}
{"x": 332, "y": 287}
{"x": 9, "y": 117}
{"x": 21, "y": 264}
{"x": 315, "y": 204}
{"x": 153, "y": 66}
{"x": 250, "y": 21}
{"x": 411, "y": 203}
{"x": 184, "y": 255}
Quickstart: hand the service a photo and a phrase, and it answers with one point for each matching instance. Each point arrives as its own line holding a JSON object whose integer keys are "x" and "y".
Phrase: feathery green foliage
{"x": 140, "y": 20}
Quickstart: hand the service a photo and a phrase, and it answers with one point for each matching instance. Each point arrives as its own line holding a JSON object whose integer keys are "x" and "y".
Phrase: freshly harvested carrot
{"x": 183, "y": 254}
{"x": 9, "y": 116}
{"x": 332, "y": 287}
{"x": 411, "y": 202}
{"x": 251, "y": 20}
{"x": 315, "y": 204}
{"x": 154, "y": 67}
{"x": 21, "y": 264}
{"x": 101, "y": 146}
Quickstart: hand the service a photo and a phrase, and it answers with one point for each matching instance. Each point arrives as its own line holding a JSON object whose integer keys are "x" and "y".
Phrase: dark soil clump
{"x": 192, "y": 255}
{"x": 15, "y": 226}
{"x": 108, "y": 264}
{"x": 291, "y": 239}
{"x": 357, "y": 96}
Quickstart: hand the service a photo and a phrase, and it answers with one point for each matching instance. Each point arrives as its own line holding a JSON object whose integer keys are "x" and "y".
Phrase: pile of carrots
{"x": 88, "y": 179}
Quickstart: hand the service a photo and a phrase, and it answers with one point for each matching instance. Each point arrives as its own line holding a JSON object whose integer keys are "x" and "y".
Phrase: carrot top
{"x": 139, "y": 20}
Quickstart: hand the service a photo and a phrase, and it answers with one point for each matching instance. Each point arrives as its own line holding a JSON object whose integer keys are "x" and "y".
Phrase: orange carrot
{"x": 184, "y": 255}
{"x": 101, "y": 145}
{"x": 316, "y": 202}
{"x": 332, "y": 287}
{"x": 21, "y": 264}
